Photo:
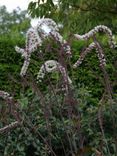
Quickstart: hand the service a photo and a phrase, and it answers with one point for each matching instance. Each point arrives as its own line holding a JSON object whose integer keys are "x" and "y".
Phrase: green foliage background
{"x": 76, "y": 16}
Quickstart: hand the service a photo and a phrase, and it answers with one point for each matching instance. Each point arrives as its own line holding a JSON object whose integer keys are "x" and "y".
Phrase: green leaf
{"x": 23, "y": 102}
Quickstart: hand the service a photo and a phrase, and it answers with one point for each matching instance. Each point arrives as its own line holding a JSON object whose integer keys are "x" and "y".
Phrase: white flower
{"x": 5, "y": 95}
{"x": 99, "y": 52}
{"x": 51, "y": 66}
{"x": 92, "y": 32}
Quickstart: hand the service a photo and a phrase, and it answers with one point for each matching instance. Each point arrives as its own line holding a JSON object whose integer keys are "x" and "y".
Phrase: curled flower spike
{"x": 100, "y": 28}
{"x": 35, "y": 36}
{"x": 48, "y": 22}
{"x": 5, "y": 95}
{"x": 21, "y": 51}
{"x": 99, "y": 52}
{"x": 9, "y": 99}
{"x": 83, "y": 54}
{"x": 9, "y": 127}
{"x": 51, "y": 66}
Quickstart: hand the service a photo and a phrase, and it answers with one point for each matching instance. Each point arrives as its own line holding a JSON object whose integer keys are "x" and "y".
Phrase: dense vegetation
{"x": 81, "y": 123}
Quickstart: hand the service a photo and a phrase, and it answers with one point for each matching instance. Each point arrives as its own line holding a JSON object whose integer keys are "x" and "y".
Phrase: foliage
{"x": 77, "y": 15}
{"x": 13, "y": 27}
{"x": 82, "y": 122}
{"x": 10, "y": 63}
{"x": 78, "y": 132}
{"x": 67, "y": 127}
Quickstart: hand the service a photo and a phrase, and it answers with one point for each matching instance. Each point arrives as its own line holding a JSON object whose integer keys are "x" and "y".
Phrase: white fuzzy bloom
{"x": 21, "y": 51}
{"x": 10, "y": 126}
{"x": 84, "y": 53}
{"x": 99, "y": 52}
{"x": 5, "y": 95}
{"x": 51, "y": 66}
{"x": 25, "y": 66}
{"x": 48, "y": 22}
{"x": 100, "y": 28}
{"x": 33, "y": 40}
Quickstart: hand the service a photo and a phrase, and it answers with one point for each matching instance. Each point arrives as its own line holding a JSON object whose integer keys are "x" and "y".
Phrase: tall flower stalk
{"x": 13, "y": 107}
{"x": 93, "y": 32}
{"x": 100, "y": 53}
{"x": 51, "y": 66}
